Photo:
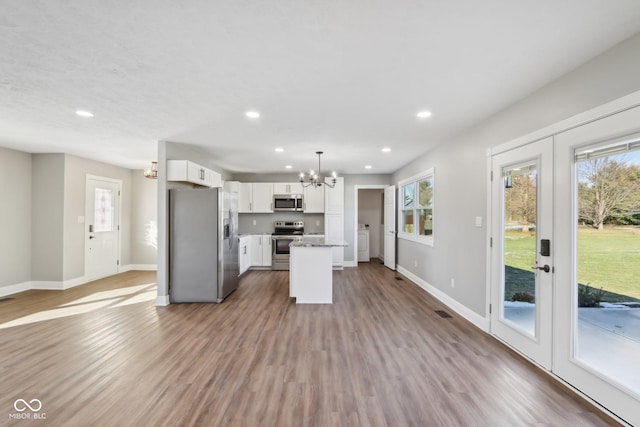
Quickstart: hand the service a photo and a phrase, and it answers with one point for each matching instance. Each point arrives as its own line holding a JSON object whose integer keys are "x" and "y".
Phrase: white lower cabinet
{"x": 244, "y": 253}
{"x": 260, "y": 250}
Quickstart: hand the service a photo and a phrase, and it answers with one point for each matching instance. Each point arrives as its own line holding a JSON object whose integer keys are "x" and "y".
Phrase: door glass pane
{"x": 103, "y": 210}
{"x": 607, "y": 292}
{"x": 519, "y": 220}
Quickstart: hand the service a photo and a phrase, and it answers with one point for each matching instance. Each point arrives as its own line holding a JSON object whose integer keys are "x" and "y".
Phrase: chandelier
{"x": 316, "y": 179}
{"x": 153, "y": 172}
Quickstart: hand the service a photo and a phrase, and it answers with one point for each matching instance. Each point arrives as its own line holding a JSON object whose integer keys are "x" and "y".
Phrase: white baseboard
{"x": 461, "y": 309}
{"x": 56, "y": 285}
{"x": 74, "y": 282}
{"x": 350, "y": 263}
{"x": 14, "y": 289}
{"x": 47, "y": 285}
{"x": 139, "y": 267}
{"x": 162, "y": 300}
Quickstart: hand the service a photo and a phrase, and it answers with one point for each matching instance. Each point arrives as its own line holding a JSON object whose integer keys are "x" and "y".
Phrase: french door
{"x": 597, "y": 344}
{"x": 565, "y": 257}
{"x": 522, "y": 262}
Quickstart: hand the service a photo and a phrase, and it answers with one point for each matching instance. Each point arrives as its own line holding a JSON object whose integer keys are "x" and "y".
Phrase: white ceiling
{"x": 346, "y": 77}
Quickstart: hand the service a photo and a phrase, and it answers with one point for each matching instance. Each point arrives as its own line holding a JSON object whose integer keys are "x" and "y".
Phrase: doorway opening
{"x": 374, "y": 224}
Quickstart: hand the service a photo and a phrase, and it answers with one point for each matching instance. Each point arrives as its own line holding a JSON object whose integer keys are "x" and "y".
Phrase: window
{"x": 104, "y": 210}
{"x": 416, "y": 208}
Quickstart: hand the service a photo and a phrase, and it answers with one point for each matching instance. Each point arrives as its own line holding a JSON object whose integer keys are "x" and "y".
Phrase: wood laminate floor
{"x": 103, "y": 355}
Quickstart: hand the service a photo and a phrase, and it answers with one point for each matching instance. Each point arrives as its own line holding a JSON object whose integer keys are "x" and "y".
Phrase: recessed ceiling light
{"x": 279, "y": 150}
{"x": 423, "y": 114}
{"x": 367, "y": 167}
{"x": 386, "y": 150}
{"x": 83, "y": 113}
{"x": 252, "y": 114}
{"x": 288, "y": 166}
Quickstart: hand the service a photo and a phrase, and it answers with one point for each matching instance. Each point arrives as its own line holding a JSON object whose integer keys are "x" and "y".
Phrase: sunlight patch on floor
{"x": 99, "y": 301}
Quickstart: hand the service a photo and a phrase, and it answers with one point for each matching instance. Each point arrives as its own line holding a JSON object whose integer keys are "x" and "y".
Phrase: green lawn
{"x": 608, "y": 259}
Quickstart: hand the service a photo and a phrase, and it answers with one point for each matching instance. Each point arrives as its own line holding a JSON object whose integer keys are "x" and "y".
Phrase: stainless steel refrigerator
{"x": 203, "y": 244}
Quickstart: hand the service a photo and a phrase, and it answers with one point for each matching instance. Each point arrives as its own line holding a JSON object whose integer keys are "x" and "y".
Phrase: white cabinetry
{"x": 261, "y": 250}
{"x": 334, "y": 218}
{"x": 313, "y": 199}
{"x": 188, "y": 171}
{"x": 255, "y": 197}
{"x": 262, "y": 195}
{"x": 334, "y": 197}
{"x": 287, "y": 188}
{"x": 244, "y": 253}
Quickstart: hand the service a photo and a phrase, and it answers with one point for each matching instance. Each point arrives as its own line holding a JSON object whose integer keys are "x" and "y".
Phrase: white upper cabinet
{"x": 262, "y": 197}
{"x": 245, "y": 203}
{"x": 313, "y": 199}
{"x": 188, "y": 171}
{"x": 255, "y": 197}
{"x": 334, "y": 197}
{"x": 287, "y": 188}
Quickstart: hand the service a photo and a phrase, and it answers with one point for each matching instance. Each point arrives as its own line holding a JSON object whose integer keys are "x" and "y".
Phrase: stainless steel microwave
{"x": 287, "y": 202}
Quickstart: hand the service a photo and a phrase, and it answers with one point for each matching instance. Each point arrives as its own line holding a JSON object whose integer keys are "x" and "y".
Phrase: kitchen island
{"x": 311, "y": 269}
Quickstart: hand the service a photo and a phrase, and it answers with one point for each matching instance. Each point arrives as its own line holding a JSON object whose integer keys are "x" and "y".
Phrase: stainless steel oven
{"x": 285, "y": 233}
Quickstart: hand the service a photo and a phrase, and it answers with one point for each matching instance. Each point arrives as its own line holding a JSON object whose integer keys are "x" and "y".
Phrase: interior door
{"x": 521, "y": 255}
{"x": 102, "y": 227}
{"x": 390, "y": 227}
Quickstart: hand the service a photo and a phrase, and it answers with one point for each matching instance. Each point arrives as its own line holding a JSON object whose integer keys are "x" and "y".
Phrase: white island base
{"x": 311, "y": 274}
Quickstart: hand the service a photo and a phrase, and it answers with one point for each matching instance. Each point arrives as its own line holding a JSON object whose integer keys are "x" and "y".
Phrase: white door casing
{"x": 390, "y": 227}
{"x": 102, "y": 226}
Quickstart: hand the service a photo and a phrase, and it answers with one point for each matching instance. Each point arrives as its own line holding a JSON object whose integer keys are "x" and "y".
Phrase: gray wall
{"x": 47, "y": 217}
{"x": 371, "y": 212}
{"x": 144, "y": 224}
{"x": 15, "y": 217}
{"x": 42, "y": 239}
{"x": 75, "y": 172}
{"x": 461, "y": 176}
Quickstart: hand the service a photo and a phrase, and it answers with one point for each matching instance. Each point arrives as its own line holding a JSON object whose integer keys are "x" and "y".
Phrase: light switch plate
{"x": 478, "y": 221}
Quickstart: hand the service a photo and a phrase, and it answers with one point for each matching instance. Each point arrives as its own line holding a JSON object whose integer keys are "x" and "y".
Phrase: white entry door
{"x": 102, "y": 227}
{"x": 390, "y": 227}
{"x": 521, "y": 253}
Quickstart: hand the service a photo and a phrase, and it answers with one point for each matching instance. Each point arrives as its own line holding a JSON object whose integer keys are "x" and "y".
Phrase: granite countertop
{"x": 316, "y": 241}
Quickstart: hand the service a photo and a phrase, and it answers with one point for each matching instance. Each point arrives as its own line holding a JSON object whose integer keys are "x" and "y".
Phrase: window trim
{"x": 413, "y": 237}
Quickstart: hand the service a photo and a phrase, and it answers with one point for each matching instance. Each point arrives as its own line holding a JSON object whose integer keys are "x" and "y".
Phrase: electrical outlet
{"x": 415, "y": 262}
{"x": 453, "y": 283}
{"x": 317, "y": 223}
{"x": 254, "y": 222}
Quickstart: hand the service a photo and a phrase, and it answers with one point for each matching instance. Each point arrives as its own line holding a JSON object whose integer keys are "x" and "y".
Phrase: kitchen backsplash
{"x": 313, "y": 223}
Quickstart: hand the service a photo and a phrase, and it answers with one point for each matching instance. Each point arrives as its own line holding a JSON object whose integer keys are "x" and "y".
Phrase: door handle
{"x": 92, "y": 237}
{"x": 544, "y": 268}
